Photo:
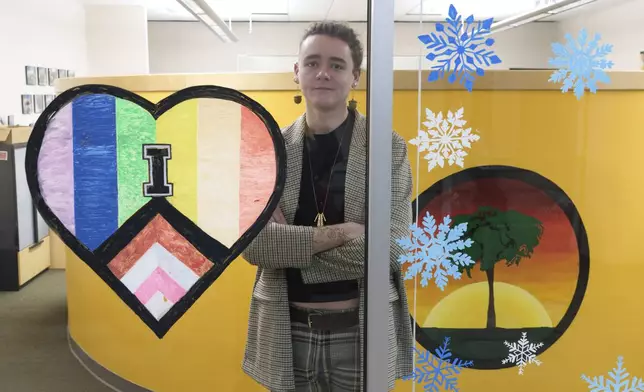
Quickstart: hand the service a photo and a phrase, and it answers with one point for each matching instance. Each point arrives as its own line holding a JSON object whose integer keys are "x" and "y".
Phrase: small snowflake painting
{"x": 435, "y": 255}
{"x": 618, "y": 381}
{"x": 460, "y": 49}
{"x": 445, "y": 139}
{"x": 522, "y": 353}
{"x": 580, "y": 63}
{"x": 440, "y": 370}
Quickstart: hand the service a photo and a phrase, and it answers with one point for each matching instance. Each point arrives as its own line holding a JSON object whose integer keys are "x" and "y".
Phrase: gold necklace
{"x": 320, "y": 219}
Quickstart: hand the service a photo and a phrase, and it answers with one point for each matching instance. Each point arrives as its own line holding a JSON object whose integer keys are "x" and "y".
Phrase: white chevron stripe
{"x": 141, "y": 270}
{"x": 158, "y": 256}
{"x": 158, "y": 306}
{"x": 178, "y": 271}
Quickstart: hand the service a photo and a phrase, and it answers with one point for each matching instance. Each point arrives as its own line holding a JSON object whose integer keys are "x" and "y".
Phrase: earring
{"x": 353, "y": 104}
{"x": 297, "y": 99}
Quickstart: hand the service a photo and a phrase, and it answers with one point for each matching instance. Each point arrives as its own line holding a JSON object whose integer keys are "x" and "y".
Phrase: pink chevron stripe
{"x": 159, "y": 280}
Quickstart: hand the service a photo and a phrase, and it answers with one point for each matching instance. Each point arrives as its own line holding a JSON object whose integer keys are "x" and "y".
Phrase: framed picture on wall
{"x": 39, "y": 103}
{"x": 71, "y": 74}
{"x": 43, "y": 79}
{"x": 48, "y": 99}
{"x": 31, "y": 75}
{"x": 62, "y": 73}
{"x": 27, "y": 104}
{"x": 53, "y": 75}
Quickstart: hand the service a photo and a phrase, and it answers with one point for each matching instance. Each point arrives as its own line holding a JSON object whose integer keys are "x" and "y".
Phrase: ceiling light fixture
{"x": 202, "y": 11}
{"x": 480, "y": 10}
{"x": 539, "y": 13}
{"x": 570, "y": 6}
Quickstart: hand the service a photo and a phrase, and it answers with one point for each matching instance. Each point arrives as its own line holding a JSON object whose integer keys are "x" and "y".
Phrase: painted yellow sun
{"x": 466, "y": 307}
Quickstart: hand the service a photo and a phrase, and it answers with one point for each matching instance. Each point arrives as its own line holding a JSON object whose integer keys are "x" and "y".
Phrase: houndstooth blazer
{"x": 268, "y": 356}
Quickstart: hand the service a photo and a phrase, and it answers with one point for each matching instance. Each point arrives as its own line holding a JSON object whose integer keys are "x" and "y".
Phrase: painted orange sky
{"x": 550, "y": 275}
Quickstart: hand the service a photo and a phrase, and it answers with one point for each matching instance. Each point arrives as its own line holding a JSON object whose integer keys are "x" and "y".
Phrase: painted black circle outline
{"x": 567, "y": 206}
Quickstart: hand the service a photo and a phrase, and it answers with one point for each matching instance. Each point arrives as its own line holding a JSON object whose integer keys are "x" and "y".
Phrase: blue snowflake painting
{"x": 440, "y": 370}
{"x": 434, "y": 251}
{"x": 618, "y": 381}
{"x": 580, "y": 63}
{"x": 460, "y": 49}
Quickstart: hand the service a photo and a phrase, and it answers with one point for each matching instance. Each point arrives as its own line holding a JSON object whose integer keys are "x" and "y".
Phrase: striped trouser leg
{"x": 326, "y": 361}
{"x": 308, "y": 354}
{"x": 342, "y": 358}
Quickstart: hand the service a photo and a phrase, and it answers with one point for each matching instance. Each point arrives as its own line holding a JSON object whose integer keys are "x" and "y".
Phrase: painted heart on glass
{"x": 158, "y": 199}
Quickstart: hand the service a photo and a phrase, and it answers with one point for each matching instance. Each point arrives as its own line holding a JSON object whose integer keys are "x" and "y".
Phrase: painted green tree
{"x": 508, "y": 236}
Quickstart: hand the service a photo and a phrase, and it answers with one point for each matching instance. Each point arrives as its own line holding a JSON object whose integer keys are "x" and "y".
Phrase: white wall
{"x": 177, "y": 47}
{"x": 52, "y": 34}
{"x": 39, "y": 33}
{"x": 117, "y": 40}
{"x": 621, "y": 24}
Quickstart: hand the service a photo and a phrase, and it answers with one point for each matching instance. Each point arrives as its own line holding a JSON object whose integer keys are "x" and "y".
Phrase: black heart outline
{"x": 156, "y": 206}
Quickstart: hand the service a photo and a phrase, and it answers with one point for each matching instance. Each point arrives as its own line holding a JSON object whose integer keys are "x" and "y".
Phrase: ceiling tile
{"x": 345, "y": 10}
{"x": 309, "y": 10}
{"x": 354, "y": 10}
{"x": 480, "y": 9}
{"x": 243, "y": 9}
{"x": 167, "y": 10}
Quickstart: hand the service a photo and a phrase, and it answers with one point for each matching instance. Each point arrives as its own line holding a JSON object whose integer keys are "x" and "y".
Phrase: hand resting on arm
{"x": 327, "y": 237}
{"x": 335, "y": 252}
{"x": 347, "y": 261}
{"x": 280, "y": 245}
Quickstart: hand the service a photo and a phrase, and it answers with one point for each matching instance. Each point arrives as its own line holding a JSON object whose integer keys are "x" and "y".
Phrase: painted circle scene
{"x": 521, "y": 250}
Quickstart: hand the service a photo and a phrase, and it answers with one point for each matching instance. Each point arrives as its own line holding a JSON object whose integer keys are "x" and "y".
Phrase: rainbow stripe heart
{"x": 158, "y": 199}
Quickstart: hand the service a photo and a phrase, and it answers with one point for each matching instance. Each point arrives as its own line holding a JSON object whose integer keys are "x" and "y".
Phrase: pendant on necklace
{"x": 320, "y": 219}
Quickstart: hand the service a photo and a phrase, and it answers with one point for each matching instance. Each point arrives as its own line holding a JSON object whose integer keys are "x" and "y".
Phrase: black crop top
{"x": 320, "y": 151}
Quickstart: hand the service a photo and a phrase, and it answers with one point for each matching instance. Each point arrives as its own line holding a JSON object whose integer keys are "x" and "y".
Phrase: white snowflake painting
{"x": 445, "y": 139}
{"x": 580, "y": 63}
{"x": 522, "y": 353}
{"x": 617, "y": 381}
{"x": 435, "y": 251}
{"x": 438, "y": 371}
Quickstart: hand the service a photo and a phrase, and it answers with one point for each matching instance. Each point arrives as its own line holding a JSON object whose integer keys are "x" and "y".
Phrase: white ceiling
{"x": 347, "y": 10}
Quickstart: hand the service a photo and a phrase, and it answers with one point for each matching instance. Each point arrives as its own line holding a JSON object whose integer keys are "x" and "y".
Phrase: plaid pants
{"x": 326, "y": 361}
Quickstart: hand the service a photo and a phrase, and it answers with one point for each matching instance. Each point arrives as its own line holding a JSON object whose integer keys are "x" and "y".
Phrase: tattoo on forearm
{"x": 324, "y": 234}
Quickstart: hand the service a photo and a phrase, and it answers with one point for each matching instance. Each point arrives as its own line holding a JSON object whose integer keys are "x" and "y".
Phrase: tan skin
{"x": 325, "y": 73}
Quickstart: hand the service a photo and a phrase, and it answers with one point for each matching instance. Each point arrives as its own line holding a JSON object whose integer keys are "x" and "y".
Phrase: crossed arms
{"x": 335, "y": 252}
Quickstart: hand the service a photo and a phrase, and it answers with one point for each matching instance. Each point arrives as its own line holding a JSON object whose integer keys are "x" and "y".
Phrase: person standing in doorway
{"x": 306, "y": 324}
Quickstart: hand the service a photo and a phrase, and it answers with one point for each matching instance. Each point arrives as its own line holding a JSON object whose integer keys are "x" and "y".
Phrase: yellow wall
{"x": 205, "y": 347}
{"x": 32, "y": 261}
{"x": 58, "y": 251}
{"x": 589, "y": 148}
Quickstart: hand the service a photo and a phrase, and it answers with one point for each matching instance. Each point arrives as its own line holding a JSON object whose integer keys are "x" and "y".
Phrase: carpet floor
{"x": 34, "y": 353}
